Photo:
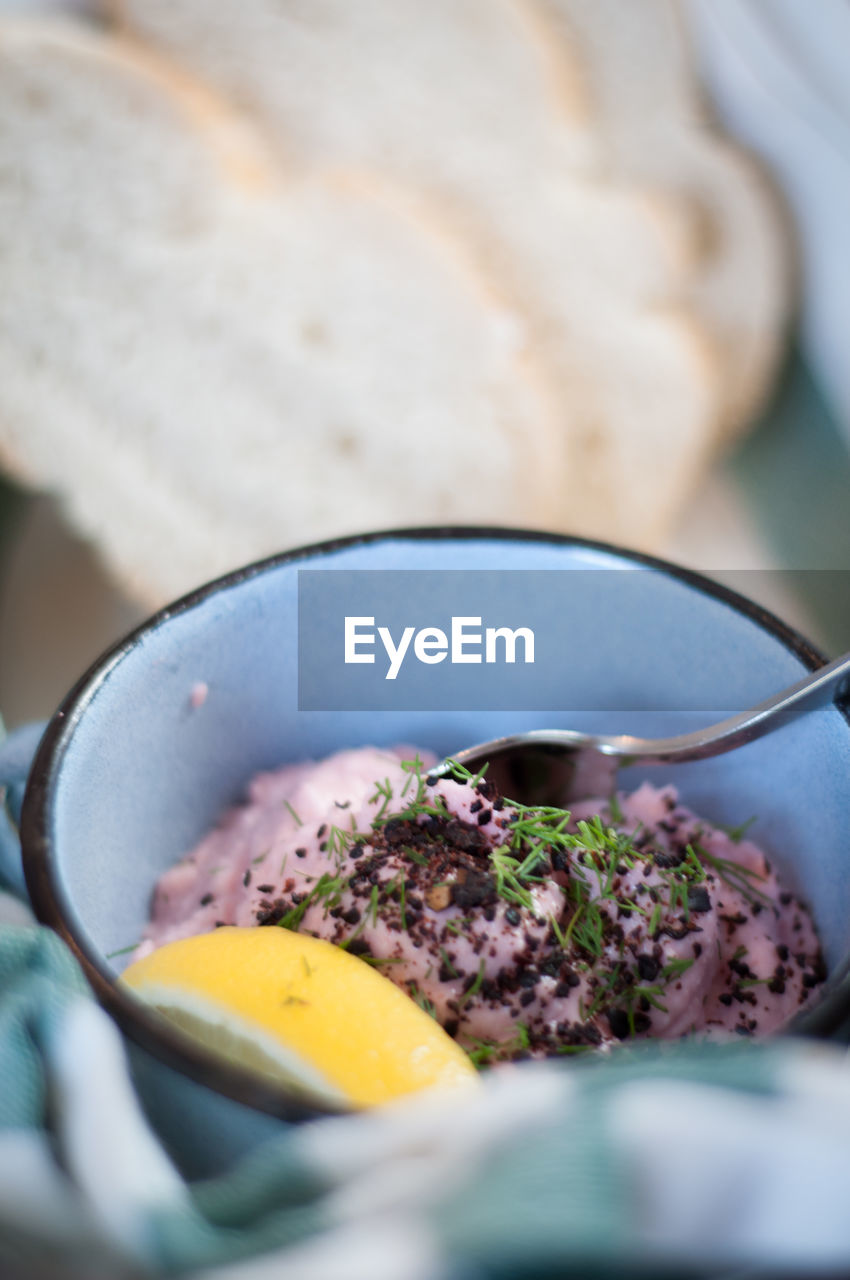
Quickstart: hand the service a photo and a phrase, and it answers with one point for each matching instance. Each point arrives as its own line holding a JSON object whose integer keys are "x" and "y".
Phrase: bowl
{"x": 166, "y": 729}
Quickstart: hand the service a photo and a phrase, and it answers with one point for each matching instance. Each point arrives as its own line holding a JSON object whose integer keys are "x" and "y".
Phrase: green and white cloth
{"x": 669, "y": 1160}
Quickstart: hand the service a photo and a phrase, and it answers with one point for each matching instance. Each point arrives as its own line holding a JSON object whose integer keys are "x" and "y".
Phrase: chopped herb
{"x": 736, "y": 875}
{"x": 110, "y": 955}
{"x": 423, "y": 1001}
{"x": 288, "y": 806}
{"x": 558, "y": 932}
{"x": 674, "y": 968}
{"x": 475, "y": 987}
{"x": 484, "y": 1052}
{"x": 385, "y": 791}
{"x": 736, "y": 834}
{"x": 327, "y": 889}
{"x": 651, "y": 994}
{"x": 402, "y": 897}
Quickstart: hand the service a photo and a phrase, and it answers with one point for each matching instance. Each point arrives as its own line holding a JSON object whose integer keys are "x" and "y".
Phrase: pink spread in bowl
{"x": 525, "y": 931}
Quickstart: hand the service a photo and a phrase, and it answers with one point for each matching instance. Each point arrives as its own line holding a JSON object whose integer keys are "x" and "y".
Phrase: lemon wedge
{"x": 302, "y": 1011}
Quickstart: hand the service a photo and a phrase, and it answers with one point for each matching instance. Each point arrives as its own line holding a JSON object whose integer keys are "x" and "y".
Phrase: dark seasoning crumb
{"x": 427, "y": 876}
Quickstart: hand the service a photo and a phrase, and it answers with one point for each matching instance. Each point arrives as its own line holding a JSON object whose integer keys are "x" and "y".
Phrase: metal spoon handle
{"x": 815, "y": 690}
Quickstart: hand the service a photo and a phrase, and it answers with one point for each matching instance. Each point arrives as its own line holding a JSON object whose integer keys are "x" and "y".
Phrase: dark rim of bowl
{"x": 145, "y": 1028}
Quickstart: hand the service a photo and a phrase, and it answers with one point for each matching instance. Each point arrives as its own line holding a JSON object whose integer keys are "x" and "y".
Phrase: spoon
{"x": 555, "y": 766}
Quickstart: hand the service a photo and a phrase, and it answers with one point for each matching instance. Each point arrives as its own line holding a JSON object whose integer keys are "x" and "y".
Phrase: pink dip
{"x": 641, "y": 938}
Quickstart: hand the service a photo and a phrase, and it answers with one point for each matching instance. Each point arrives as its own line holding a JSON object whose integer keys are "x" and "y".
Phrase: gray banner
{"x": 583, "y": 639}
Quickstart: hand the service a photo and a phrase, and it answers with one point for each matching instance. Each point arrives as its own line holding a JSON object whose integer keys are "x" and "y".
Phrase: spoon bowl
{"x": 558, "y": 766}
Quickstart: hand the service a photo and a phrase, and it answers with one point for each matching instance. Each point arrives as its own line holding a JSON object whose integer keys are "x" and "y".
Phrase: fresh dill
{"x": 675, "y": 968}
{"x": 483, "y": 1053}
{"x": 736, "y": 876}
{"x": 474, "y": 987}
{"x": 560, "y": 936}
{"x": 384, "y": 792}
{"x": 328, "y": 889}
{"x": 736, "y": 834}
{"x": 423, "y": 1001}
{"x": 294, "y": 815}
{"x": 110, "y": 955}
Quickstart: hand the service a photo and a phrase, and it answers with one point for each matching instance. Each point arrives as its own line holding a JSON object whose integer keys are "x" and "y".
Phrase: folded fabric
{"x": 674, "y": 1159}
{"x": 670, "y": 1160}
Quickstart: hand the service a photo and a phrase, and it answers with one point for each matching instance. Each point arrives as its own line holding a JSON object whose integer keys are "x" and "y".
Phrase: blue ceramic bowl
{"x": 129, "y": 775}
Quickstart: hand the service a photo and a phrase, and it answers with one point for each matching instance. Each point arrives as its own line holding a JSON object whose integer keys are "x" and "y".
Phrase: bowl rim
{"x": 148, "y": 1030}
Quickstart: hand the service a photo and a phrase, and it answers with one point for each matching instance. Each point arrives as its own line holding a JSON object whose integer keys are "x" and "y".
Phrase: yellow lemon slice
{"x": 301, "y": 1011}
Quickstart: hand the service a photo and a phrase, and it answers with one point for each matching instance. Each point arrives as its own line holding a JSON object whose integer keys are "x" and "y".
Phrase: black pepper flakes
{"x": 648, "y": 967}
{"x": 618, "y": 1021}
{"x": 698, "y": 898}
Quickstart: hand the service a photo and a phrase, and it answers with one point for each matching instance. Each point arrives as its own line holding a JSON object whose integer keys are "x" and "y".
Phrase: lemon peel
{"x": 302, "y": 1011}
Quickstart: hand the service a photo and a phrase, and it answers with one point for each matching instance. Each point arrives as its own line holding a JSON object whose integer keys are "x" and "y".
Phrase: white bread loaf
{"x": 645, "y": 94}
{"x": 469, "y": 105}
{"x": 466, "y": 102}
{"x": 209, "y": 362}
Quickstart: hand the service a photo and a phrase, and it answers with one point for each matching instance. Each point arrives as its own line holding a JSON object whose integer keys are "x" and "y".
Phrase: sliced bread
{"x": 209, "y": 370}
{"x": 470, "y": 104}
{"x": 477, "y": 111}
{"x": 645, "y": 94}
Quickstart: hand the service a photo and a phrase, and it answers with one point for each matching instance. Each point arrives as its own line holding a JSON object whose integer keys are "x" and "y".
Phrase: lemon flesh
{"x": 301, "y": 1011}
